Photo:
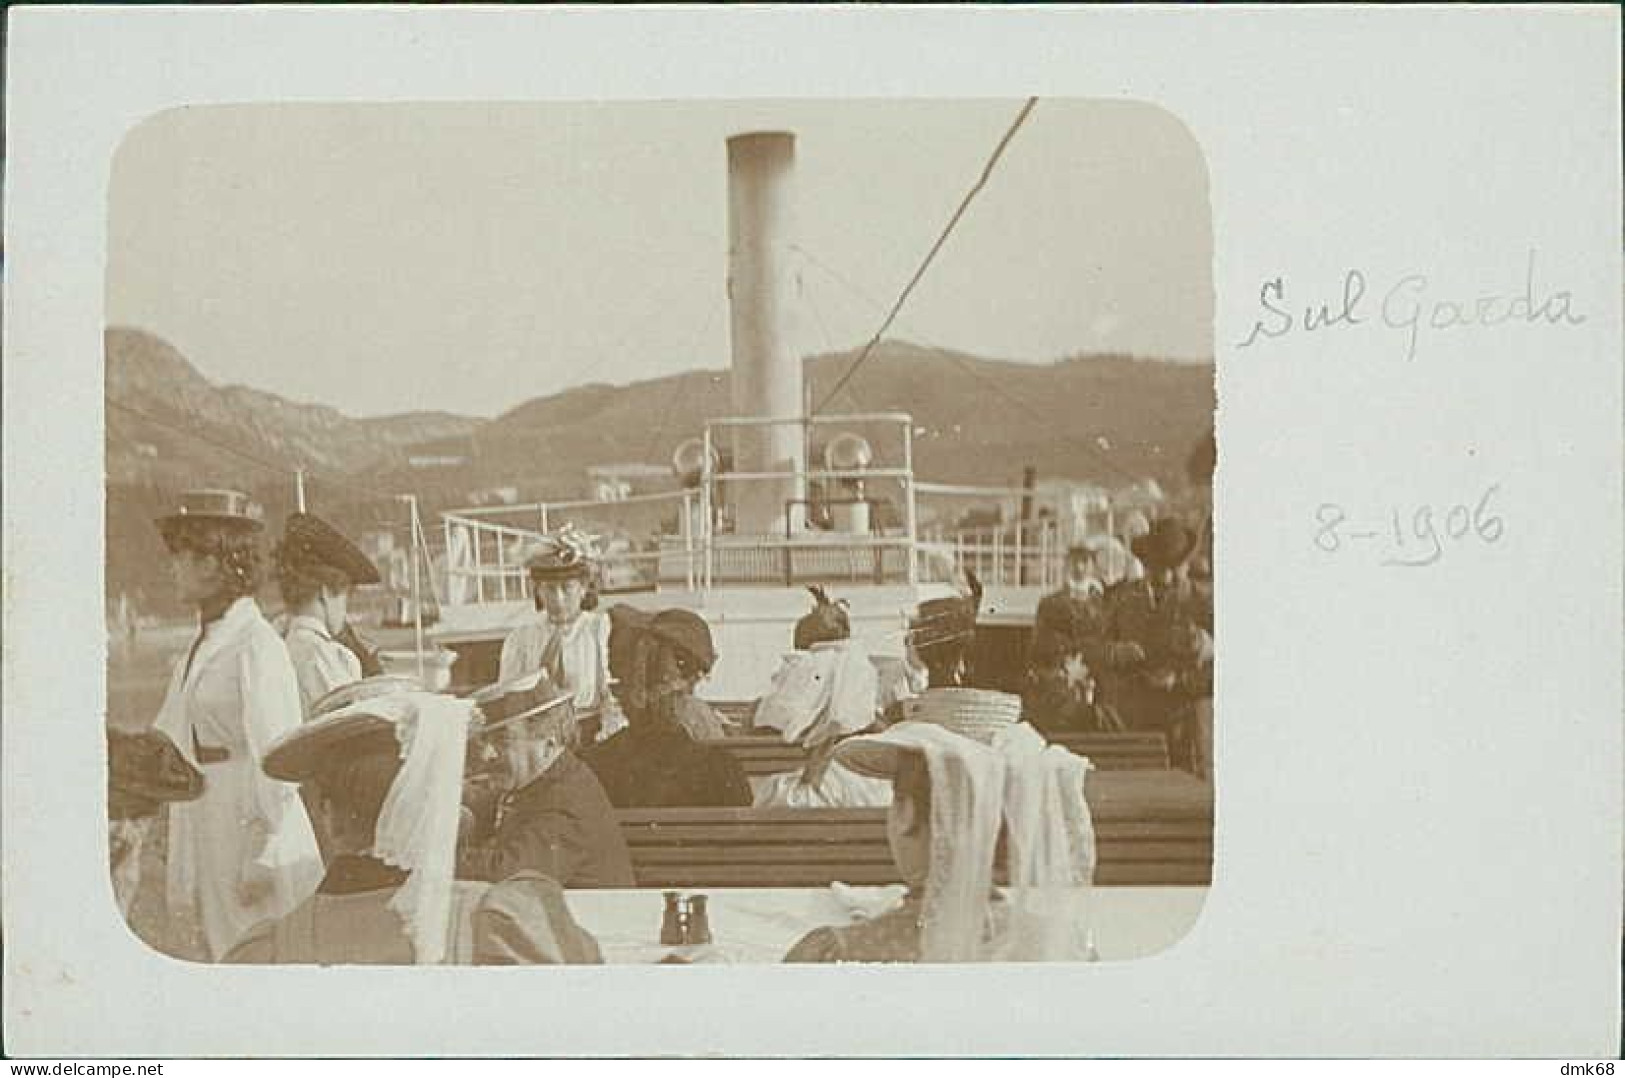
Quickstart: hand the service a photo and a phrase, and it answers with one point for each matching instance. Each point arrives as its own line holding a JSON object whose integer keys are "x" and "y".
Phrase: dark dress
{"x": 659, "y": 766}
{"x": 1054, "y": 700}
{"x": 561, "y": 825}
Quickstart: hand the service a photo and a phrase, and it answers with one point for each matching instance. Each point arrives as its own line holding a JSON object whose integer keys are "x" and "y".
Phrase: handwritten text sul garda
{"x": 1410, "y": 308}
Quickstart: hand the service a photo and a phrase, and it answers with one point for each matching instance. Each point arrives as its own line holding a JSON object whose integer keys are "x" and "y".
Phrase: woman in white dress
{"x": 826, "y": 690}
{"x": 244, "y": 851}
{"x": 567, "y": 636}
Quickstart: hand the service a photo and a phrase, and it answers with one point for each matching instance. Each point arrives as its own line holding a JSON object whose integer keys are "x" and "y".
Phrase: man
{"x": 1171, "y": 620}
{"x": 317, "y": 568}
{"x": 385, "y": 776}
{"x": 553, "y": 818}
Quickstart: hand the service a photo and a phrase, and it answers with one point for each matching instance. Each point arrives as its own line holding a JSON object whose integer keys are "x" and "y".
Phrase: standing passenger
{"x": 243, "y": 851}
{"x": 317, "y": 567}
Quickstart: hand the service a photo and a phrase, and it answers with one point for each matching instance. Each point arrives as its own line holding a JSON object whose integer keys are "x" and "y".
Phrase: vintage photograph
{"x": 654, "y": 532}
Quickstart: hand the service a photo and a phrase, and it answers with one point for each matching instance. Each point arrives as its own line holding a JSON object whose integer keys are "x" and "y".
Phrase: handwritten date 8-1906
{"x": 1411, "y": 538}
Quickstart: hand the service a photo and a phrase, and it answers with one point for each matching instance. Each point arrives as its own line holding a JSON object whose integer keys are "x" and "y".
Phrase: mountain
{"x": 167, "y": 424}
{"x": 169, "y": 429}
{"x": 1107, "y": 419}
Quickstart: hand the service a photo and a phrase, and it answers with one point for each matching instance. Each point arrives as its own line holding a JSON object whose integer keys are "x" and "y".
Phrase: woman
{"x": 244, "y": 851}
{"x": 656, "y": 762}
{"x": 568, "y": 637}
{"x": 1071, "y": 654}
{"x": 828, "y": 689}
{"x": 316, "y": 569}
{"x": 959, "y": 782}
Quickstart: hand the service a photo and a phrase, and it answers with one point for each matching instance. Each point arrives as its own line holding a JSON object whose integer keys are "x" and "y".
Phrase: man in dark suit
{"x": 554, "y": 817}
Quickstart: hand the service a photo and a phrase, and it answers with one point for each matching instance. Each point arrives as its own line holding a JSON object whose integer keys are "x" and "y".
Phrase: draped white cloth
{"x": 1009, "y": 779}
{"x": 818, "y": 696}
{"x": 417, "y": 826}
{"x": 837, "y": 787}
{"x": 237, "y": 694}
{"x": 821, "y": 694}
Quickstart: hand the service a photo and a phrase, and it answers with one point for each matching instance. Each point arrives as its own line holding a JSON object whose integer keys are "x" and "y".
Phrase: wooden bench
{"x": 1151, "y": 828}
{"x": 762, "y": 754}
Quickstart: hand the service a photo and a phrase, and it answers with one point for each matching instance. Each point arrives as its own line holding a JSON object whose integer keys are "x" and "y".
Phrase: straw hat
{"x": 508, "y": 702}
{"x": 348, "y": 722}
{"x": 231, "y": 508}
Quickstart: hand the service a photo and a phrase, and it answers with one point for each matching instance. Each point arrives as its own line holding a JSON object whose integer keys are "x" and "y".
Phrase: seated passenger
{"x": 385, "y": 774}
{"x": 656, "y": 762}
{"x": 961, "y": 777}
{"x": 550, "y": 815}
{"x": 1071, "y": 651}
{"x": 826, "y": 690}
{"x": 567, "y": 638}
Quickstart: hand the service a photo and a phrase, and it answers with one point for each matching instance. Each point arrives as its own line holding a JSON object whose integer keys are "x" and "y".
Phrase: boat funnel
{"x": 762, "y": 292}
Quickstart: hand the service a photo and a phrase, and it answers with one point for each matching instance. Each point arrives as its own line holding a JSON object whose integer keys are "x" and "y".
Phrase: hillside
{"x": 1108, "y": 419}
{"x": 1101, "y": 418}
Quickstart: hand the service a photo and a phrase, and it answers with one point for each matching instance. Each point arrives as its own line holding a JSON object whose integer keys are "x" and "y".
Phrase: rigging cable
{"x": 964, "y": 204}
{"x": 964, "y": 364}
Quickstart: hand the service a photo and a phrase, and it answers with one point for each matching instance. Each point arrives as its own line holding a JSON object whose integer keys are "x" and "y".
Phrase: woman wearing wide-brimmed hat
{"x": 383, "y": 761}
{"x": 317, "y": 568}
{"x": 1170, "y": 619}
{"x": 964, "y": 773}
{"x": 568, "y": 636}
{"x": 244, "y": 850}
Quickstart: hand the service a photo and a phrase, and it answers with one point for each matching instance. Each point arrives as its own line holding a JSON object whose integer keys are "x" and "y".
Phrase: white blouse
{"x": 583, "y": 653}
{"x": 320, "y": 663}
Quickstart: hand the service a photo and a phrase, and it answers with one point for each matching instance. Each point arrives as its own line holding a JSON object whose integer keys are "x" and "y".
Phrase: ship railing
{"x": 881, "y": 553}
{"x": 485, "y": 546}
{"x": 1008, "y": 551}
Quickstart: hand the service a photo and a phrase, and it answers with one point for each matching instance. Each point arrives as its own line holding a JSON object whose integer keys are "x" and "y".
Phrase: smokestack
{"x": 766, "y": 363}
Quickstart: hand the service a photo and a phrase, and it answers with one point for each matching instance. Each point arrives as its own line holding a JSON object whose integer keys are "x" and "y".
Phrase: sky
{"x": 468, "y": 257}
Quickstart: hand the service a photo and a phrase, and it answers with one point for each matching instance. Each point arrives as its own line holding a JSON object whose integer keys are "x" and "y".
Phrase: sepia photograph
{"x": 653, "y": 532}
{"x": 811, "y": 531}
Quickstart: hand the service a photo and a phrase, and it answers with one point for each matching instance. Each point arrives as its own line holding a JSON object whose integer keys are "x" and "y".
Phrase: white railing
{"x": 485, "y": 546}
{"x": 485, "y": 556}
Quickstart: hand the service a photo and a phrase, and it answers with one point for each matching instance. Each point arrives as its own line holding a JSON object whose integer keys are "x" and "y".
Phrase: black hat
{"x": 309, "y": 541}
{"x": 230, "y": 508}
{"x": 687, "y": 632}
{"x": 1165, "y": 545}
{"x": 828, "y": 620}
{"x": 146, "y": 770}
